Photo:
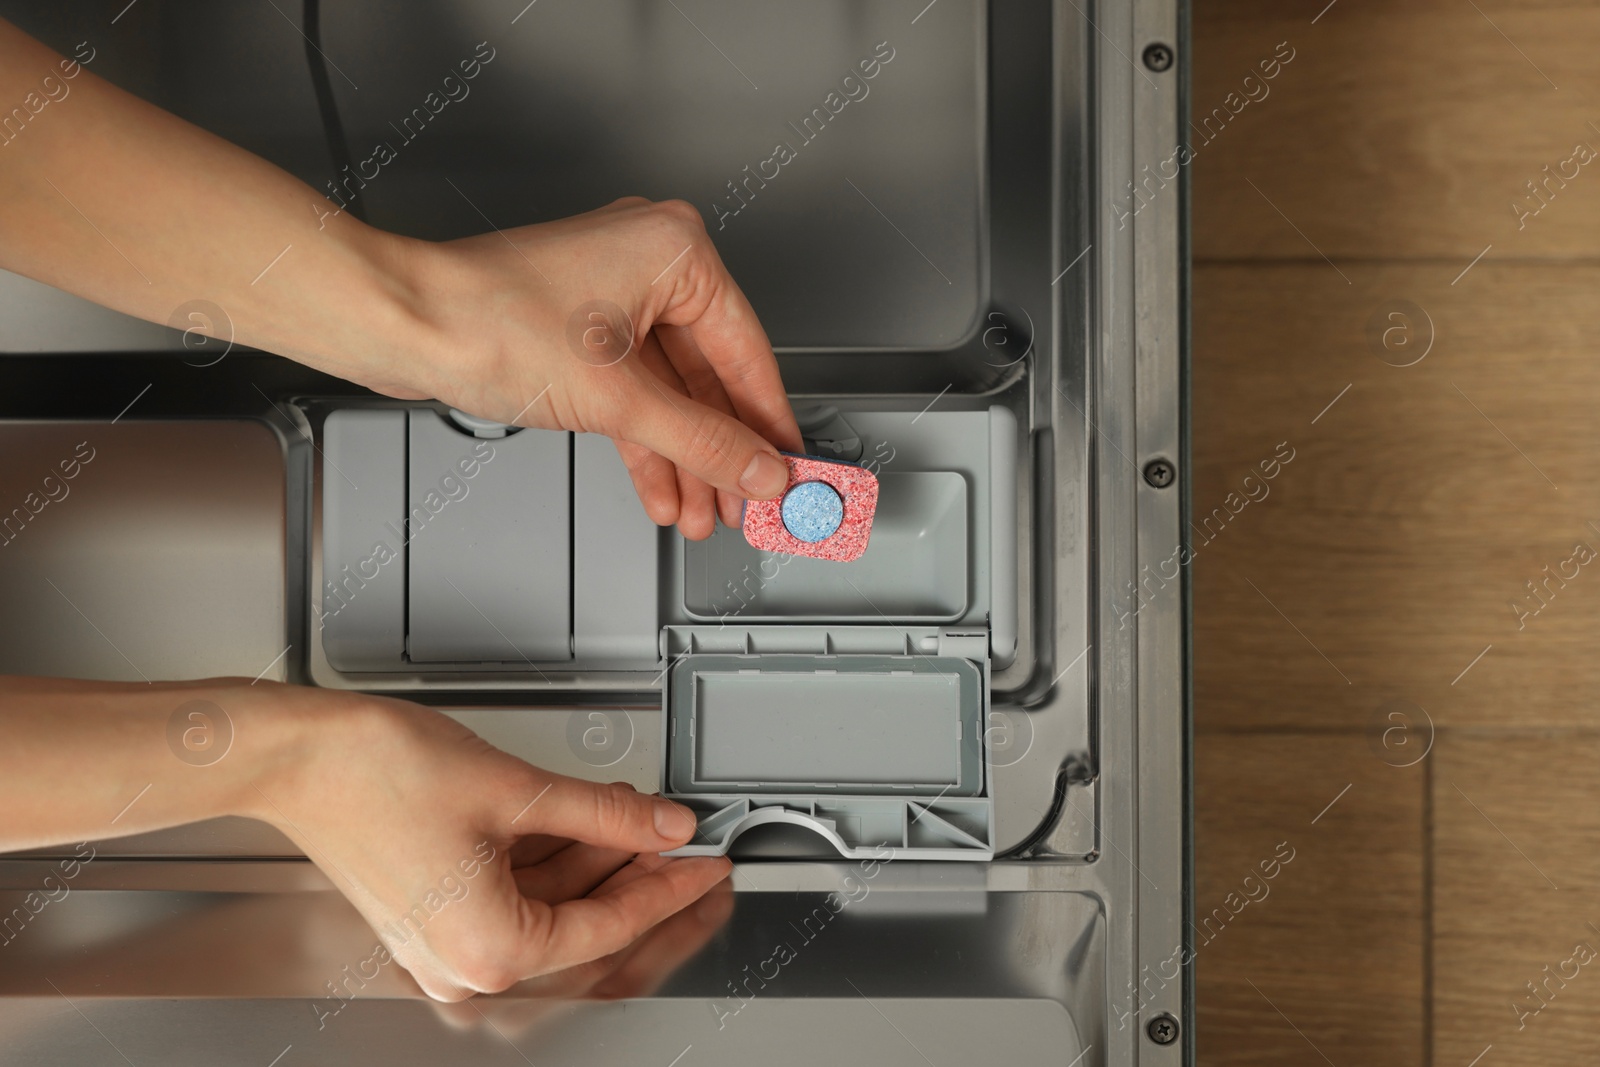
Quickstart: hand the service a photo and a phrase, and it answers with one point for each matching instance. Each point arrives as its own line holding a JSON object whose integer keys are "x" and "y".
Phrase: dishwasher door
{"x": 964, "y": 214}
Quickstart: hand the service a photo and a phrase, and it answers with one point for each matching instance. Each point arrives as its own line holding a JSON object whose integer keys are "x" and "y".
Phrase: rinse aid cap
{"x": 825, "y": 513}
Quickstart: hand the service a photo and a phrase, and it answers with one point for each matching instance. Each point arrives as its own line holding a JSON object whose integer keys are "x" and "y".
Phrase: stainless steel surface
{"x": 235, "y": 69}
{"x": 636, "y": 102}
{"x": 1037, "y": 957}
{"x": 582, "y": 104}
{"x": 400, "y": 1034}
{"x": 905, "y": 969}
{"x": 178, "y": 523}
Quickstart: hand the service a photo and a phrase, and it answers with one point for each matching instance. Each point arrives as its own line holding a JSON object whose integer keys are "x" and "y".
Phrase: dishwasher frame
{"x": 1131, "y": 273}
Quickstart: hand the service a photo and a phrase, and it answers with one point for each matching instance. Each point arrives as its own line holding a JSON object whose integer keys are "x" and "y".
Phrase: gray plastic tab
{"x": 361, "y": 606}
{"x": 827, "y": 433}
{"x": 1003, "y": 519}
{"x": 490, "y": 559}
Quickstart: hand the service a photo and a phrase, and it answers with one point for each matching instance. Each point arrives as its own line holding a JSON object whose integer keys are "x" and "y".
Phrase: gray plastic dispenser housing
{"x": 850, "y": 699}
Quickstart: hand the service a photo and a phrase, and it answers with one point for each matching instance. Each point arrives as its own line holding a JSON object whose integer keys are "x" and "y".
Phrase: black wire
{"x": 332, "y": 129}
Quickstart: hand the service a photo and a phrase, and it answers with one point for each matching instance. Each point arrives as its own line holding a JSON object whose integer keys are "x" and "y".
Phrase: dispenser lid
{"x": 881, "y": 754}
{"x": 858, "y": 724}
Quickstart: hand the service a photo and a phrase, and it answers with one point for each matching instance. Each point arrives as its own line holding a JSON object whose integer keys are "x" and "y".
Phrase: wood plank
{"x": 1394, "y": 131}
{"x": 1324, "y": 958}
{"x": 1512, "y": 817}
{"x": 1387, "y": 555}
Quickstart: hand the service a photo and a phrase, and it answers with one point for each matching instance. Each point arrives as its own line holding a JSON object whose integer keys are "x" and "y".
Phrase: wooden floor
{"x": 1378, "y": 687}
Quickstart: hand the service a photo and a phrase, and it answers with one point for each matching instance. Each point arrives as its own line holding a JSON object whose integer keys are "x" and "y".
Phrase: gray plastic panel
{"x": 860, "y": 724}
{"x": 914, "y": 569}
{"x": 869, "y": 751}
{"x": 616, "y": 558}
{"x": 745, "y": 731}
{"x": 362, "y": 601}
{"x": 490, "y": 552}
{"x": 949, "y": 441}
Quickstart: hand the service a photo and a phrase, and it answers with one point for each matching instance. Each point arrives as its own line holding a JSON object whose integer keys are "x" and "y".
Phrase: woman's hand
{"x": 476, "y": 869}
{"x": 621, "y": 321}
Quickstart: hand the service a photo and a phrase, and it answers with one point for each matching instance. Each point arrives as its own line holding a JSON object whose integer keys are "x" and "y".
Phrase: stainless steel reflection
{"x": 185, "y": 521}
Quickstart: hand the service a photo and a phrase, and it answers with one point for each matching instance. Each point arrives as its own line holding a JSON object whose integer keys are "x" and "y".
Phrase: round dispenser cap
{"x": 481, "y": 428}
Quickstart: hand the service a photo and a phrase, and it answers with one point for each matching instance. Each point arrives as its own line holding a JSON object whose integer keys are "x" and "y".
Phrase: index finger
{"x": 613, "y": 816}
{"x": 731, "y": 339}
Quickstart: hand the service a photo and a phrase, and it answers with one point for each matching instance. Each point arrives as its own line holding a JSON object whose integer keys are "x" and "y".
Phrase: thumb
{"x": 714, "y": 447}
{"x": 611, "y": 816}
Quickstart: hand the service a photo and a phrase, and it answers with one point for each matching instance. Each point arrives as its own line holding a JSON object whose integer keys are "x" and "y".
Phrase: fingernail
{"x": 765, "y": 477}
{"x": 672, "y": 821}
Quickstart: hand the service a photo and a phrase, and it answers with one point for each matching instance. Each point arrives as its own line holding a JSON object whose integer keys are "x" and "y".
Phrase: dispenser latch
{"x": 967, "y": 644}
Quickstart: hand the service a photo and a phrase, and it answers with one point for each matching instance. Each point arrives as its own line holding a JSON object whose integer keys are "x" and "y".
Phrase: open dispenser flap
{"x": 882, "y": 754}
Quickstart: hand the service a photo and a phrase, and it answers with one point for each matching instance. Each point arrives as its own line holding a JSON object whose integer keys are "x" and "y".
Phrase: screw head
{"x": 1163, "y": 1029}
{"x": 1159, "y": 473}
{"x": 1158, "y": 57}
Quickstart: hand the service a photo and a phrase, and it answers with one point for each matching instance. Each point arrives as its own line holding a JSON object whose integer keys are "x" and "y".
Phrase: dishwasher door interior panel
{"x": 927, "y": 206}
{"x": 176, "y": 977}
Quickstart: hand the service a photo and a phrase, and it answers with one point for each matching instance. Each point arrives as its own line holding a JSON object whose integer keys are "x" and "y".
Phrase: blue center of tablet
{"x": 812, "y": 511}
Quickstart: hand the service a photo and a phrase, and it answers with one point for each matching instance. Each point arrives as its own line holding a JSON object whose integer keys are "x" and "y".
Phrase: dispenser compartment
{"x": 914, "y": 568}
{"x": 943, "y": 548}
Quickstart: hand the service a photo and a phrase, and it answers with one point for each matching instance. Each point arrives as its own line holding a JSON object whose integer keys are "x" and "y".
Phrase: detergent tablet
{"x": 825, "y": 513}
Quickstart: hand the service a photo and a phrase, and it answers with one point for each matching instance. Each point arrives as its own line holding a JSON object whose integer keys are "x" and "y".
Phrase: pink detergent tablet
{"x": 825, "y": 512}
